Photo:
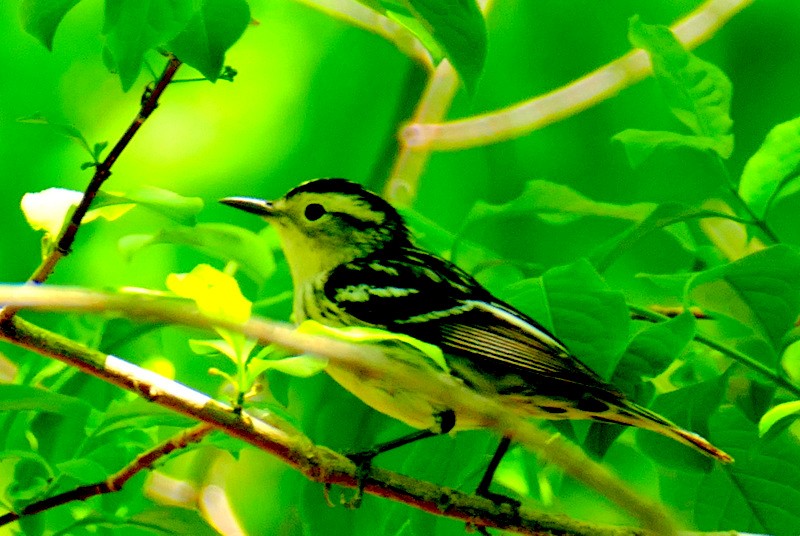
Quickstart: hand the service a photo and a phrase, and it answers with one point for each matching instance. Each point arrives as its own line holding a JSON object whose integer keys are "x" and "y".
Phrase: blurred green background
{"x": 315, "y": 97}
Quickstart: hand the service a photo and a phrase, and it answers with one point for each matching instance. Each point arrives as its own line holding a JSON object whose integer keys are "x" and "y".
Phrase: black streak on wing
{"x": 475, "y": 326}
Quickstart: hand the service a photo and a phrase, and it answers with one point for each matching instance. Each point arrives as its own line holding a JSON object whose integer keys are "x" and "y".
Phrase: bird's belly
{"x": 413, "y": 408}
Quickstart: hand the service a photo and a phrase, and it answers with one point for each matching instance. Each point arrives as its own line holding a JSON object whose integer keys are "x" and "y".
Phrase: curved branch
{"x": 597, "y": 86}
{"x": 115, "y": 482}
{"x": 318, "y": 463}
{"x": 434, "y": 103}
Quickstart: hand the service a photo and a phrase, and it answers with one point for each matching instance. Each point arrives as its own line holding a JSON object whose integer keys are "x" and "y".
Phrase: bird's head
{"x": 326, "y": 222}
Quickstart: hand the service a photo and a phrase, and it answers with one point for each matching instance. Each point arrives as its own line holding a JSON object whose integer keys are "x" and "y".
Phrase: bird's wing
{"x": 431, "y": 299}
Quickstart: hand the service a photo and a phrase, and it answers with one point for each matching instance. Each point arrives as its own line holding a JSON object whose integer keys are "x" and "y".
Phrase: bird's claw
{"x": 363, "y": 461}
{"x": 499, "y": 498}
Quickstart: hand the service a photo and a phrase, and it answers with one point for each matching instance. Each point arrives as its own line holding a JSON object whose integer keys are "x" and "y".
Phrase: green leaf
{"x": 214, "y": 26}
{"x": 663, "y": 216}
{"x": 98, "y": 149}
{"x": 163, "y": 520}
{"x": 61, "y": 128}
{"x": 761, "y": 291}
{"x": 579, "y": 307}
{"x": 302, "y": 366}
{"x": 84, "y": 470}
{"x": 238, "y": 354}
{"x": 32, "y": 476}
{"x": 779, "y": 417}
{"x": 25, "y": 398}
{"x": 173, "y": 206}
{"x": 769, "y": 170}
{"x": 697, "y": 92}
{"x": 362, "y": 335}
{"x": 671, "y": 285}
{"x": 756, "y": 494}
{"x": 213, "y": 347}
{"x": 138, "y": 413}
{"x": 219, "y": 240}
{"x": 652, "y": 351}
{"x": 640, "y": 144}
{"x": 173, "y": 520}
{"x": 690, "y": 408}
{"x": 217, "y": 294}
{"x": 40, "y": 18}
{"x": 556, "y": 204}
{"x": 649, "y": 353}
{"x": 452, "y": 28}
{"x": 132, "y": 27}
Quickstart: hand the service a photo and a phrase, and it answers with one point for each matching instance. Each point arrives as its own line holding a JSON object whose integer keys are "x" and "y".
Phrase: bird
{"x": 353, "y": 263}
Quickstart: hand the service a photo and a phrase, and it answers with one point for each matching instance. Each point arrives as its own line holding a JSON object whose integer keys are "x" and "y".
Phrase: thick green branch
{"x": 604, "y": 83}
{"x": 403, "y": 182}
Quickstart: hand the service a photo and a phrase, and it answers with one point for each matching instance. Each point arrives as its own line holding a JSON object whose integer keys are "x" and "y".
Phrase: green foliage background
{"x": 315, "y": 97}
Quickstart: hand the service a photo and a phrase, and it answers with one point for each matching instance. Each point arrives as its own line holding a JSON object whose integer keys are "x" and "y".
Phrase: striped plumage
{"x": 353, "y": 263}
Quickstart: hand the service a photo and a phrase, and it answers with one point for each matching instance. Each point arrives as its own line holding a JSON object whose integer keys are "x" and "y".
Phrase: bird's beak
{"x": 259, "y": 207}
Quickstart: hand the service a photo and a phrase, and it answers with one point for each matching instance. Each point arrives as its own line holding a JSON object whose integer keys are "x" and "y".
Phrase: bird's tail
{"x": 635, "y": 415}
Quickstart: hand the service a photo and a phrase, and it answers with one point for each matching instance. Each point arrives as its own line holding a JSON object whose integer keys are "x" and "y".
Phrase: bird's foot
{"x": 363, "y": 461}
{"x": 498, "y": 498}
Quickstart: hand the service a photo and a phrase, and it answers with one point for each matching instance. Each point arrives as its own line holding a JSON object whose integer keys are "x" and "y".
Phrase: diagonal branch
{"x": 115, "y": 482}
{"x": 597, "y": 86}
{"x": 101, "y": 173}
{"x": 318, "y": 463}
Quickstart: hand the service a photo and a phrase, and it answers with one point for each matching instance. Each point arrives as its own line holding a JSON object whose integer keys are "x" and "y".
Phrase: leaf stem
{"x": 734, "y": 354}
{"x": 761, "y": 223}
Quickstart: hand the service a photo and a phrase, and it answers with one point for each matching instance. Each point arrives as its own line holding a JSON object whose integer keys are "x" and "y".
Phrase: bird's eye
{"x": 314, "y": 211}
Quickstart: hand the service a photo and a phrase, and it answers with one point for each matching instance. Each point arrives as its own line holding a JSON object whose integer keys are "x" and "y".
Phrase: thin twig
{"x": 736, "y": 355}
{"x": 318, "y": 464}
{"x": 101, "y": 173}
{"x": 599, "y": 85}
{"x": 672, "y": 312}
{"x": 731, "y": 185}
{"x": 116, "y": 481}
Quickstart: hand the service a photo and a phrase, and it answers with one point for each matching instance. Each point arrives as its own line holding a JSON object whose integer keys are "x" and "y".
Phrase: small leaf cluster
{"x": 199, "y": 32}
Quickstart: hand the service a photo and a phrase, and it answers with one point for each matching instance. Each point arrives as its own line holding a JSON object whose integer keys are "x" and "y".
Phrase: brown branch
{"x": 672, "y": 312}
{"x": 318, "y": 463}
{"x": 116, "y": 481}
{"x": 101, "y": 173}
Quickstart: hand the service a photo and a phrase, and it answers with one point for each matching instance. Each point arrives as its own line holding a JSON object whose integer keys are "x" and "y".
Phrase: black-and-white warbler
{"x": 353, "y": 264}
